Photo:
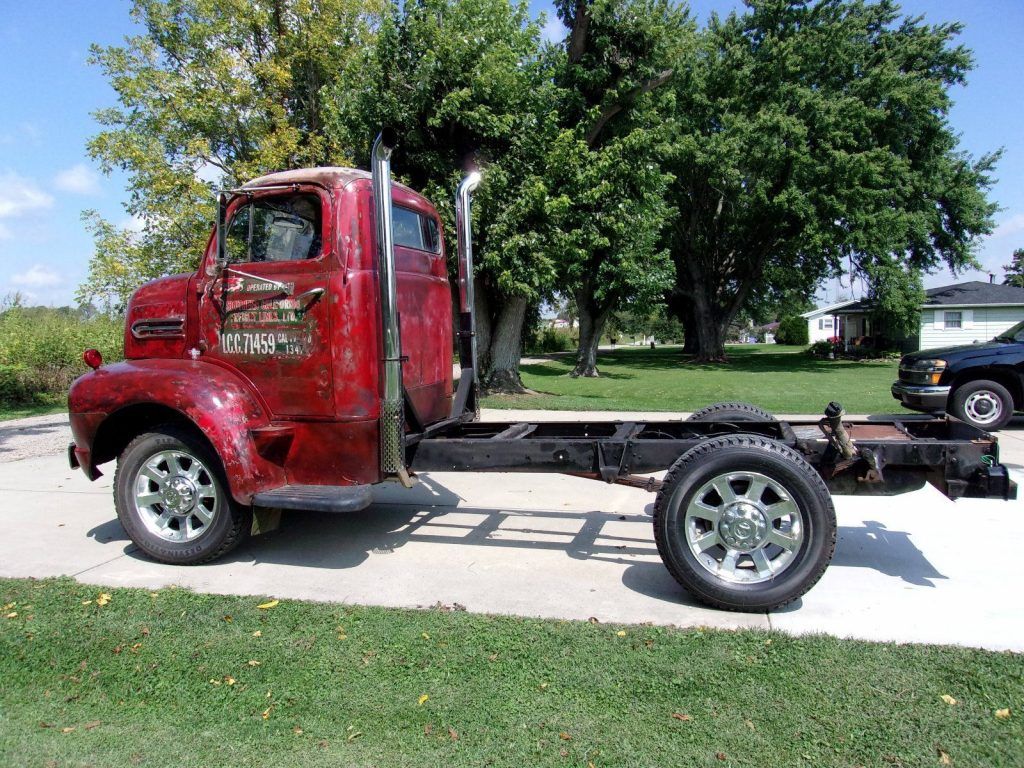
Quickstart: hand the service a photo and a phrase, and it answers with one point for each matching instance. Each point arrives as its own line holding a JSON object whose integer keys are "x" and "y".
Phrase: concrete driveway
{"x": 915, "y": 567}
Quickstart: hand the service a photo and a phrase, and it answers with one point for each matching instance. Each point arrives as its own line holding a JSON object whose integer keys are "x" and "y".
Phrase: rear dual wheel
{"x": 744, "y": 523}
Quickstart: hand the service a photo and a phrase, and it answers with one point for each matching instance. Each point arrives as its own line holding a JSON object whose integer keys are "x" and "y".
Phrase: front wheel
{"x": 984, "y": 404}
{"x": 173, "y": 501}
{"x": 744, "y": 523}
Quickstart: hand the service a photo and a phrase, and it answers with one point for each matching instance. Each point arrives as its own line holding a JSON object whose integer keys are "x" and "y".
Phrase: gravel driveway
{"x": 34, "y": 436}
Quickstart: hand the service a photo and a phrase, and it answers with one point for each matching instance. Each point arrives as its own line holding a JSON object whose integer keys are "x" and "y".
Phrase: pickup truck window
{"x": 279, "y": 228}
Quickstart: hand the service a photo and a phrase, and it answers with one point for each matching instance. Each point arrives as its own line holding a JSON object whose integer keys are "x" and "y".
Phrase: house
{"x": 963, "y": 313}
{"x": 823, "y": 323}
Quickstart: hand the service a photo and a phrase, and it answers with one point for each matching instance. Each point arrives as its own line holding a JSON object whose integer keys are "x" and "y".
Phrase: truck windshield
{"x": 279, "y": 228}
{"x": 1015, "y": 334}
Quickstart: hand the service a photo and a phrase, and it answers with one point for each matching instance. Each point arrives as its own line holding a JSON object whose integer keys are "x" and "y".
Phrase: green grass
{"x": 8, "y": 412}
{"x": 781, "y": 379}
{"x": 144, "y": 680}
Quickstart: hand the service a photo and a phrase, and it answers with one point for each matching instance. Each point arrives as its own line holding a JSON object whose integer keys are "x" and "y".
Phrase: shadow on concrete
{"x": 892, "y": 553}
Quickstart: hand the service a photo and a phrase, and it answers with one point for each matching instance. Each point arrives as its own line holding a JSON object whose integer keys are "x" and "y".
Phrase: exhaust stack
{"x": 469, "y": 379}
{"x": 392, "y": 410}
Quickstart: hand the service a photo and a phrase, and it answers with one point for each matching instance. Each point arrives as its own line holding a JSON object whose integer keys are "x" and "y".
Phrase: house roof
{"x": 974, "y": 293}
{"x": 829, "y": 308}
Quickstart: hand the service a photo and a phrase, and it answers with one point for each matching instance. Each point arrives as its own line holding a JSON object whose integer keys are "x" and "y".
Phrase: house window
{"x": 954, "y": 319}
{"x": 825, "y": 324}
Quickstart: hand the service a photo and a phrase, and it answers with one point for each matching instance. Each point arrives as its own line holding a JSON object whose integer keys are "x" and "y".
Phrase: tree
{"x": 214, "y": 89}
{"x": 792, "y": 330}
{"x": 1015, "y": 269}
{"x": 467, "y": 84}
{"x": 619, "y": 56}
{"x": 812, "y": 134}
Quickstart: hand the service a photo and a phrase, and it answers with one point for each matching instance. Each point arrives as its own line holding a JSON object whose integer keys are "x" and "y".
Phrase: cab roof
{"x": 326, "y": 176}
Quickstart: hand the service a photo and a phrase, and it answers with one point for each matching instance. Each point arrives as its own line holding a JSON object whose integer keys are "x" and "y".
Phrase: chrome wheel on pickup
{"x": 744, "y": 523}
{"x": 984, "y": 404}
{"x": 172, "y": 498}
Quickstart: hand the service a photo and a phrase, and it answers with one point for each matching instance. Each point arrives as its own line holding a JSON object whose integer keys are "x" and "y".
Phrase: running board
{"x": 316, "y": 498}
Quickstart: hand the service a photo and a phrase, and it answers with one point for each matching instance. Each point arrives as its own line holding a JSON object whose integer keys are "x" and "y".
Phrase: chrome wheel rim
{"x": 983, "y": 407}
{"x": 175, "y": 496}
{"x": 743, "y": 527}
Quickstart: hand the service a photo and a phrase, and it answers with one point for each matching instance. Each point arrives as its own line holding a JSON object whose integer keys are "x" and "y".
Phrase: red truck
{"x": 310, "y": 357}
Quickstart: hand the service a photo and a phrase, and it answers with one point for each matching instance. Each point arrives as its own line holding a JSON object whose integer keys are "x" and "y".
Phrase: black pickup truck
{"x": 982, "y": 384}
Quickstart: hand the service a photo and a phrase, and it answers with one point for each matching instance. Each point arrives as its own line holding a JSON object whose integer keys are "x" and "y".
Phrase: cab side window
{"x": 414, "y": 230}
{"x": 278, "y": 228}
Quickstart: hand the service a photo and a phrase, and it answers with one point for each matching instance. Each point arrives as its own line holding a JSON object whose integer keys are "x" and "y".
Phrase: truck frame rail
{"x": 887, "y": 456}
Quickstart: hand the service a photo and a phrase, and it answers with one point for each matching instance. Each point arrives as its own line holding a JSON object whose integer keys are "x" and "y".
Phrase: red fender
{"x": 112, "y": 404}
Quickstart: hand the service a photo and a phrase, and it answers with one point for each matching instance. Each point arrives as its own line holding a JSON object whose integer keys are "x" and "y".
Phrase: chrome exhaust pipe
{"x": 467, "y": 311}
{"x": 392, "y": 406}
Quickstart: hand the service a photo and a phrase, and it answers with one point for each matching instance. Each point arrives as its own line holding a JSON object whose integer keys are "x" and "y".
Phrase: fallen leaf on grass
{"x": 425, "y": 636}
{"x": 944, "y": 758}
{"x": 453, "y": 734}
{"x": 621, "y": 633}
{"x": 427, "y": 729}
{"x": 9, "y": 606}
{"x": 227, "y": 619}
{"x": 253, "y": 663}
{"x": 229, "y": 680}
{"x": 257, "y": 633}
{"x": 323, "y": 743}
{"x": 92, "y": 724}
{"x": 749, "y": 725}
{"x": 493, "y": 657}
{"x": 422, "y": 699}
{"x": 267, "y": 711}
{"x": 103, "y": 599}
{"x": 681, "y": 716}
{"x": 948, "y": 699}
{"x": 87, "y": 602}
{"x": 563, "y": 752}
{"x": 11, "y": 615}
{"x": 593, "y": 620}
{"x": 1003, "y": 714}
{"x": 353, "y": 734}
{"x": 268, "y": 605}
{"x": 297, "y": 730}
{"x": 721, "y": 756}
{"x": 67, "y": 729}
{"x": 565, "y": 736}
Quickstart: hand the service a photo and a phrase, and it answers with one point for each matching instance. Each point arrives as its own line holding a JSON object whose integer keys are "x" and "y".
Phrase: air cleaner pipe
{"x": 464, "y": 230}
{"x": 392, "y": 412}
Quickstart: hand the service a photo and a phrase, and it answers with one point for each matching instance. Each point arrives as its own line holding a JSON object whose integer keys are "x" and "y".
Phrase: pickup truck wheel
{"x": 731, "y": 412}
{"x": 744, "y": 523}
{"x": 984, "y": 404}
{"x": 173, "y": 501}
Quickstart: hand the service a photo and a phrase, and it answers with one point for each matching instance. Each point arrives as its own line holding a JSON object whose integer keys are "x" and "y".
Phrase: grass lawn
{"x": 781, "y": 379}
{"x": 179, "y": 679}
{"x": 21, "y": 411}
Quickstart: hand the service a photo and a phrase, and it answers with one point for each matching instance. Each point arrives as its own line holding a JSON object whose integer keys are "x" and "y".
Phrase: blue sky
{"x": 50, "y": 91}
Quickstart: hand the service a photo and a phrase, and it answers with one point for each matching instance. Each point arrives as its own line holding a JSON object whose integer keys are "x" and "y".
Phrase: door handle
{"x": 307, "y": 299}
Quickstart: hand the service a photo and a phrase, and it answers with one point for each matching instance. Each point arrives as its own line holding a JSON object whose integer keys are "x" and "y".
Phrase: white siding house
{"x": 966, "y": 325}
{"x": 964, "y": 313}
{"x": 823, "y": 323}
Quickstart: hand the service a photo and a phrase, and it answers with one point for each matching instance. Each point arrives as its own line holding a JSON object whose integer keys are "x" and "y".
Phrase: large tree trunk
{"x": 506, "y": 348}
{"x": 482, "y": 313}
{"x": 591, "y": 328}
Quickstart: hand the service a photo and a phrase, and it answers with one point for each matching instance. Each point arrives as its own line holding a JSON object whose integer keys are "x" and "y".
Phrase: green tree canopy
{"x": 222, "y": 89}
{"x": 1015, "y": 269}
{"x": 810, "y": 136}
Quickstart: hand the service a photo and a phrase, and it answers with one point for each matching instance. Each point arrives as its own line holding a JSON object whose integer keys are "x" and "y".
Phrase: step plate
{"x": 316, "y": 498}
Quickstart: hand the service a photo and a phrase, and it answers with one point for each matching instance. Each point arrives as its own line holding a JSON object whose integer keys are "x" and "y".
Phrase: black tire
{"x": 230, "y": 523}
{"x": 787, "y": 470}
{"x": 983, "y": 404}
{"x": 731, "y": 412}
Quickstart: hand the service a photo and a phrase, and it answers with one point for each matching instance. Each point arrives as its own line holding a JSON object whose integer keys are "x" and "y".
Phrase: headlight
{"x": 924, "y": 371}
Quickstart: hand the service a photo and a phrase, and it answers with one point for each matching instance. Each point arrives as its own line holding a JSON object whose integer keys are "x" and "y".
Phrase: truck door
{"x": 266, "y": 315}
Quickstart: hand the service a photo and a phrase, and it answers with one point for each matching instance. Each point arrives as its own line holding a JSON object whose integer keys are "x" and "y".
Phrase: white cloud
{"x": 19, "y": 195}
{"x": 38, "y": 276}
{"x": 133, "y": 224}
{"x": 553, "y": 30}
{"x": 79, "y": 179}
{"x": 1010, "y": 226}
